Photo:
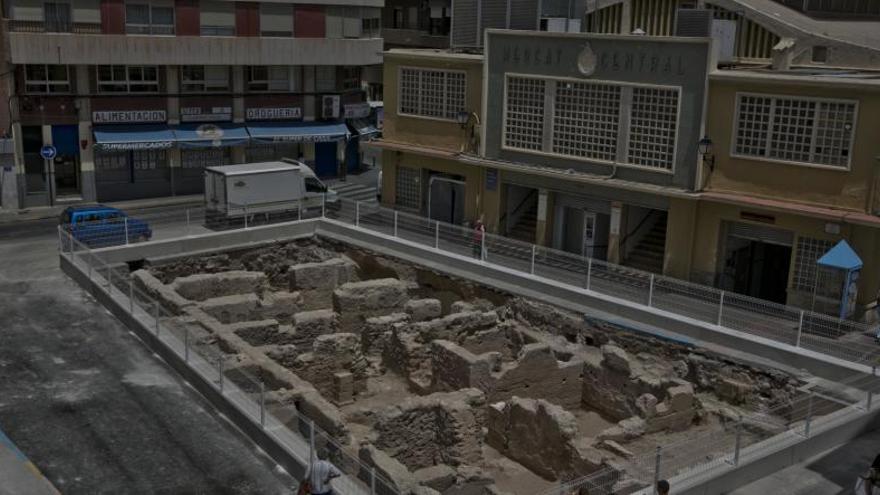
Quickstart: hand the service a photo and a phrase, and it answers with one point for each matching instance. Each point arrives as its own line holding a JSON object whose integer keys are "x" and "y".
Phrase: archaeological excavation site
{"x": 445, "y": 386}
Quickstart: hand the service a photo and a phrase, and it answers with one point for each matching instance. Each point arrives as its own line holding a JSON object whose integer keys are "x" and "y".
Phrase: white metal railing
{"x": 720, "y": 451}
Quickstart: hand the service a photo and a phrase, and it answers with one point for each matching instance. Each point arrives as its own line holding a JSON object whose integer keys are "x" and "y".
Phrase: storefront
{"x": 132, "y": 161}
{"x": 319, "y": 140}
{"x": 204, "y": 145}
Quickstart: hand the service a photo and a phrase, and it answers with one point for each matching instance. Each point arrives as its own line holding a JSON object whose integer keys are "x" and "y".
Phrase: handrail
{"x": 518, "y": 207}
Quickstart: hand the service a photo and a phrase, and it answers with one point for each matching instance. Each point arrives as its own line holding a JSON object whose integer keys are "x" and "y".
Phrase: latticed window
{"x": 524, "y": 121}
{"x": 586, "y": 120}
{"x": 809, "y": 251}
{"x": 653, "y": 124}
{"x": 432, "y": 93}
{"x": 804, "y": 130}
{"x": 409, "y": 189}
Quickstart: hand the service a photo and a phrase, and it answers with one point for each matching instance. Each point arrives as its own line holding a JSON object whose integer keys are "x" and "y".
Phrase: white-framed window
{"x": 276, "y": 19}
{"x": 809, "y": 250}
{"x": 524, "y": 113}
{"x": 652, "y": 127}
{"x": 583, "y": 120}
{"x": 42, "y": 79}
{"x": 795, "y": 129}
{"x": 432, "y": 93}
{"x": 128, "y": 79}
{"x": 269, "y": 78}
{"x": 586, "y": 120}
{"x": 217, "y": 18}
{"x": 204, "y": 78}
{"x": 408, "y": 188}
{"x": 155, "y": 17}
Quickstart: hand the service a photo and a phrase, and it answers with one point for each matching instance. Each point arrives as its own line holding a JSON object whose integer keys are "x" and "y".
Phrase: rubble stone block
{"x": 734, "y": 391}
{"x": 454, "y": 367}
{"x": 617, "y": 449}
{"x": 439, "y": 477}
{"x": 233, "y": 309}
{"x": 153, "y": 287}
{"x": 324, "y": 275}
{"x": 376, "y": 330}
{"x": 281, "y": 305}
{"x": 423, "y": 309}
{"x": 308, "y": 325}
{"x": 681, "y": 397}
{"x": 343, "y": 387}
{"x": 617, "y": 358}
{"x": 646, "y": 405}
{"x": 204, "y": 286}
{"x": 261, "y": 332}
{"x": 371, "y": 295}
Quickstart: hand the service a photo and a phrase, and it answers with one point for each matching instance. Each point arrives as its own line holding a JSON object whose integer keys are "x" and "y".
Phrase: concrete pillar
{"x": 172, "y": 85}
{"x": 88, "y": 189}
{"x": 49, "y": 166}
{"x": 542, "y": 234}
{"x": 614, "y": 233}
{"x": 626, "y": 26}
{"x": 239, "y": 155}
{"x": 173, "y": 167}
{"x": 238, "y": 111}
{"x": 18, "y": 159}
{"x": 680, "y": 234}
{"x": 309, "y": 103}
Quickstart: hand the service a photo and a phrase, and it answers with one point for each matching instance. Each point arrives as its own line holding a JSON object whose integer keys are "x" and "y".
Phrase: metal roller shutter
{"x": 760, "y": 233}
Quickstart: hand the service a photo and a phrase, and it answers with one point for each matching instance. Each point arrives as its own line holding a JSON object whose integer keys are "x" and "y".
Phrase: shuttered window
{"x": 217, "y": 18}
{"x": 276, "y": 19}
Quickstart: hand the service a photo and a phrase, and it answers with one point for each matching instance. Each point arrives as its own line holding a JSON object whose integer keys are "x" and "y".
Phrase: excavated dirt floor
{"x": 446, "y": 386}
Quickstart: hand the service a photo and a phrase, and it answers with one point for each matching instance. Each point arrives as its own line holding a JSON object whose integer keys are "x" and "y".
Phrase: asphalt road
{"x": 90, "y": 406}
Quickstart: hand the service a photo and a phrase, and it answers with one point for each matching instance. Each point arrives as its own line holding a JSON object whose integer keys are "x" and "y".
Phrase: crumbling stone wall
{"x": 441, "y": 428}
{"x": 330, "y": 355}
{"x": 541, "y": 436}
{"x": 203, "y": 286}
{"x": 454, "y": 367}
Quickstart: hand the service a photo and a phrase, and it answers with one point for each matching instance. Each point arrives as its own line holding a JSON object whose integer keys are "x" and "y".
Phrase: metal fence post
{"x": 126, "y": 229}
{"x": 483, "y": 252}
{"x": 245, "y": 217}
{"x": 532, "y": 266}
{"x": 188, "y": 230}
{"x": 589, "y": 273}
{"x": 323, "y": 204}
{"x": 436, "y": 235}
{"x": 651, "y": 291}
{"x": 130, "y": 296}
{"x": 109, "y": 279}
{"x": 262, "y": 404}
{"x": 720, "y": 308}
{"x": 395, "y": 223}
{"x": 220, "y": 372}
{"x": 373, "y": 481}
{"x": 186, "y": 344}
{"x": 357, "y": 213}
{"x": 311, "y": 443}
{"x": 299, "y": 209}
{"x": 656, "y": 469}
{"x": 871, "y": 391}
{"x": 809, "y": 416}
{"x": 156, "y": 316}
{"x": 739, "y": 427}
{"x": 800, "y": 329}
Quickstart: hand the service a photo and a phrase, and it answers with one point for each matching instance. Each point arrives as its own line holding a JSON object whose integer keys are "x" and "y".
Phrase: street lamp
{"x": 704, "y": 147}
{"x": 462, "y": 118}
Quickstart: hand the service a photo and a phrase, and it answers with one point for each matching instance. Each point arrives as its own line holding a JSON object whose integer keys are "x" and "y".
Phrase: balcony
{"x": 413, "y": 38}
{"x": 16, "y": 26}
{"x": 41, "y": 46}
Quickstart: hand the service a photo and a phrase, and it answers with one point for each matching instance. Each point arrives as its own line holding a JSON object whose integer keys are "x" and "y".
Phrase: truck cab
{"x": 99, "y": 225}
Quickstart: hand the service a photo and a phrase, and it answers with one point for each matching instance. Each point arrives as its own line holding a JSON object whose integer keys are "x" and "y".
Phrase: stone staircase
{"x": 524, "y": 230}
{"x": 648, "y": 253}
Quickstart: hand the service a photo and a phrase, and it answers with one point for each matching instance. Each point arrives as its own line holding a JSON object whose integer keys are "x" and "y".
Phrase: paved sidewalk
{"x": 18, "y": 475}
{"x": 44, "y": 212}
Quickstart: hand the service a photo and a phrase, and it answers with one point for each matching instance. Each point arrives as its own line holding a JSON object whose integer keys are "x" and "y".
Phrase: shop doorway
{"x": 585, "y": 232}
{"x": 757, "y": 262}
{"x": 65, "y": 139}
{"x": 35, "y": 170}
{"x": 446, "y": 200}
{"x": 325, "y": 159}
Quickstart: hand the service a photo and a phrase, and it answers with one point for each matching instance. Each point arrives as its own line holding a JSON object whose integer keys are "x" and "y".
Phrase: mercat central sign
{"x": 530, "y": 56}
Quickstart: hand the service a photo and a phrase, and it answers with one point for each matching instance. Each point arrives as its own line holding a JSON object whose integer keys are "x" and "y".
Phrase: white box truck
{"x": 257, "y": 192}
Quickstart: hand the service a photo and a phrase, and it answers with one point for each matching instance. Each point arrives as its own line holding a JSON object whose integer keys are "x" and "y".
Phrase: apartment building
{"x": 138, "y": 97}
{"x": 640, "y": 151}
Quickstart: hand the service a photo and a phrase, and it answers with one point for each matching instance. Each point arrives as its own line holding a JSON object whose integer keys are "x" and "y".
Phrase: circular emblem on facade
{"x": 210, "y": 132}
{"x": 587, "y": 60}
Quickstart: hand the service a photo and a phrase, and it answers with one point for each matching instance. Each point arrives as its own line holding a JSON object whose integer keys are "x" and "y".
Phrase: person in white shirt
{"x": 320, "y": 474}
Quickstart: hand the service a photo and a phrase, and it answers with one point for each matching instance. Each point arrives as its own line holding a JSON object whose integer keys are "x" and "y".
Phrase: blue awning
{"x": 363, "y": 127}
{"x": 191, "y": 136}
{"x": 841, "y": 256}
{"x": 133, "y": 137}
{"x": 297, "y": 132}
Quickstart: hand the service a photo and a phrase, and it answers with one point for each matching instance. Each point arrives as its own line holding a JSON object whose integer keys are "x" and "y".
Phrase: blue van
{"x": 99, "y": 226}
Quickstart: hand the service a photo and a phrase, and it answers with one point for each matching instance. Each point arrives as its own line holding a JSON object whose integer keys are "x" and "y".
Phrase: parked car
{"x": 99, "y": 226}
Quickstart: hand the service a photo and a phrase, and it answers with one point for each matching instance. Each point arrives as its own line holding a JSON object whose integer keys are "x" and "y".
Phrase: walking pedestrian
{"x": 869, "y": 483}
{"x": 319, "y": 475}
{"x": 479, "y": 232}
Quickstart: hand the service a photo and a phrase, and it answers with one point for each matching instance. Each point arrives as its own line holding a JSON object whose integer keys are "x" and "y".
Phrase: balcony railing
{"x": 14, "y": 25}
